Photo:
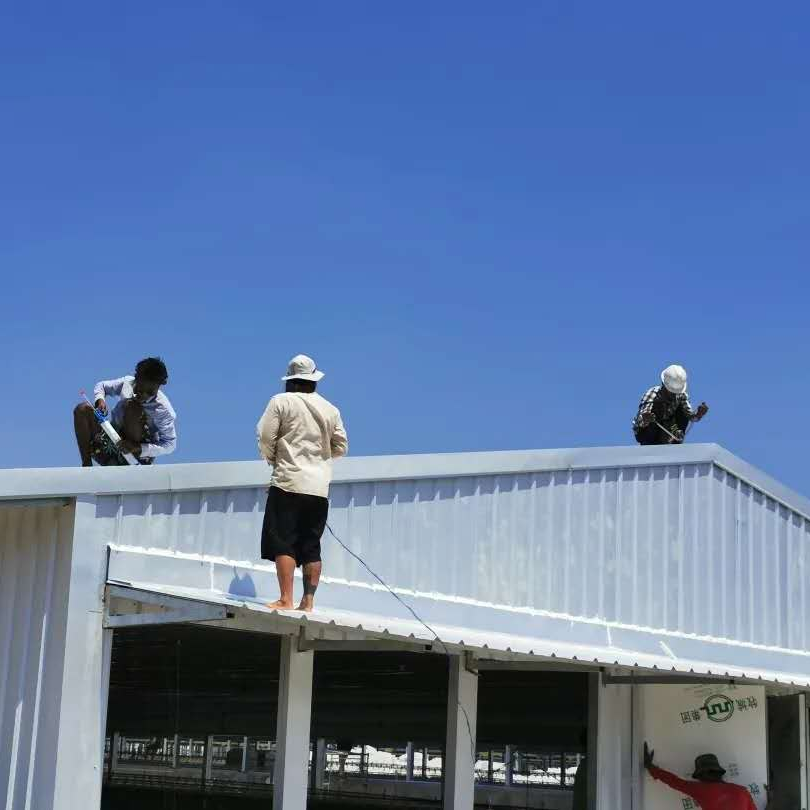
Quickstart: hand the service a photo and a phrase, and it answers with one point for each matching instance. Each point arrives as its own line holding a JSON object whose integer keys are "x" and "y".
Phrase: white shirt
{"x": 159, "y": 414}
{"x": 299, "y": 435}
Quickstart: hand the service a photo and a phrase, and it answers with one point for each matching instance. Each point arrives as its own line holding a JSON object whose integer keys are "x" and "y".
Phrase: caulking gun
{"x": 104, "y": 420}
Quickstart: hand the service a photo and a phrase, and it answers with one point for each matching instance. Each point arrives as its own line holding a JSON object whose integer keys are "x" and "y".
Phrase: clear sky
{"x": 492, "y": 224}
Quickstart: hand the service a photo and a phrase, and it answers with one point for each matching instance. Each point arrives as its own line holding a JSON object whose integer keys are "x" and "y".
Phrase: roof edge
{"x": 51, "y": 482}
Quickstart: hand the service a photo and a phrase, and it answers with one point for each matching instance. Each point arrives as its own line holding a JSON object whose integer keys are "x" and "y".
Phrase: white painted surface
{"x": 84, "y": 689}
{"x": 681, "y": 722}
{"x": 485, "y": 632}
{"x": 617, "y": 748}
{"x": 54, "y": 656}
{"x": 34, "y": 573}
{"x": 678, "y": 558}
{"x": 292, "y": 732}
{"x": 460, "y": 756}
{"x": 679, "y": 562}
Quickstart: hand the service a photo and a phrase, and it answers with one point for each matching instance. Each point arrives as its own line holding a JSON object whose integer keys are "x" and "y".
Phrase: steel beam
{"x": 644, "y": 680}
{"x": 165, "y": 609}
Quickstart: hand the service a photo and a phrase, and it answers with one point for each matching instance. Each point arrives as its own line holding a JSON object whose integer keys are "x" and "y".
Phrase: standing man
{"x": 709, "y": 791}
{"x": 299, "y": 434}
{"x": 143, "y": 417}
{"x": 665, "y": 411}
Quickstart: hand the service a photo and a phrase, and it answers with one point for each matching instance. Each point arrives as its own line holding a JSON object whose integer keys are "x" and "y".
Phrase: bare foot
{"x": 306, "y": 604}
{"x": 280, "y": 604}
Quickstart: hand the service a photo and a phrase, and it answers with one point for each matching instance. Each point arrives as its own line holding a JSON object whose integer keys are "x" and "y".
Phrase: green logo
{"x": 718, "y": 708}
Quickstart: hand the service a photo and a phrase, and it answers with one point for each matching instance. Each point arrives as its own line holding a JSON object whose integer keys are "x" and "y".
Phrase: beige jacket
{"x": 299, "y": 435}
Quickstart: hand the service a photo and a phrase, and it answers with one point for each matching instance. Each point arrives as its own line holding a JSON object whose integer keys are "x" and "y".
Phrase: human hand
{"x": 702, "y": 410}
{"x": 101, "y": 405}
{"x": 648, "y": 756}
{"x": 647, "y": 418}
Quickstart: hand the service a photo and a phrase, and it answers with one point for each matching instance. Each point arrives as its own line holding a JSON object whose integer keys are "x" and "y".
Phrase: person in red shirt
{"x": 709, "y": 790}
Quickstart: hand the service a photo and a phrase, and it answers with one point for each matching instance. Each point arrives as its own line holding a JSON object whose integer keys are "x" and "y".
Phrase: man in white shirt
{"x": 143, "y": 417}
{"x": 299, "y": 434}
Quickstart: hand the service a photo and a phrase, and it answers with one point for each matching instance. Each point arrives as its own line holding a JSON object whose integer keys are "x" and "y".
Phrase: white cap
{"x": 674, "y": 379}
{"x": 302, "y": 367}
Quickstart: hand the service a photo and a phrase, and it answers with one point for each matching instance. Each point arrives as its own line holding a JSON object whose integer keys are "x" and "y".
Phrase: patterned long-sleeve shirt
{"x": 663, "y": 405}
{"x": 160, "y": 415}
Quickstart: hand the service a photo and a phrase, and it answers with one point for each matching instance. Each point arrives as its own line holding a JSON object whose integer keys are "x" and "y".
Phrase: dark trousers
{"x": 652, "y": 434}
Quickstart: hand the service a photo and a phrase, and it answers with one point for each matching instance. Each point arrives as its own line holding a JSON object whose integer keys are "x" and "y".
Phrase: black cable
{"x": 423, "y": 623}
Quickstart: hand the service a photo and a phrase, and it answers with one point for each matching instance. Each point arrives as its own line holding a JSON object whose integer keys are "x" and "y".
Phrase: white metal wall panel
{"x": 686, "y": 548}
{"x": 616, "y": 748}
{"x": 34, "y": 566}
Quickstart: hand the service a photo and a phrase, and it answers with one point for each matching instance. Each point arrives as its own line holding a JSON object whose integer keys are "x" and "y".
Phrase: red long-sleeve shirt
{"x": 709, "y": 795}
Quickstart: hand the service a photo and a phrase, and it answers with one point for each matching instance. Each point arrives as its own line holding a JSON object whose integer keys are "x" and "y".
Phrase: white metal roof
{"x": 681, "y": 558}
{"x": 50, "y": 482}
{"x": 331, "y": 623}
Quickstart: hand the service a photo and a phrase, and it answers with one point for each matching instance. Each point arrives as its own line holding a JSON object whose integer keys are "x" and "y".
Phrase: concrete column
{"x": 424, "y": 763}
{"x": 489, "y": 767}
{"x": 363, "y": 760}
{"x": 409, "y": 762}
{"x": 115, "y": 745}
{"x": 208, "y": 759}
{"x": 244, "y": 754}
{"x": 507, "y": 758}
{"x": 176, "y": 751}
{"x": 459, "y": 760}
{"x": 319, "y": 764}
{"x": 292, "y": 730}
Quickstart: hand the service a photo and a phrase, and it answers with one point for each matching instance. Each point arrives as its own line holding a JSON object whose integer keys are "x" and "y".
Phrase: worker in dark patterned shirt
{"x": 665, "y": 411}
{"x": 708, "y": 790}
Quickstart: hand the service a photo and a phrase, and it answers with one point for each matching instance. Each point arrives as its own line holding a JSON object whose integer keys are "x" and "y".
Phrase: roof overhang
{"x": 635, "y": 651}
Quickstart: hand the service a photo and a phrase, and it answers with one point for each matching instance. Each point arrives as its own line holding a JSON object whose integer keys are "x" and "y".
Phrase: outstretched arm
{"x": 668, "y": 778}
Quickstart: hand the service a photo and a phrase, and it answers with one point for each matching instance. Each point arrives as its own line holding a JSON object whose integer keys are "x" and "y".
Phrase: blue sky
{"x": 492, "y": 224}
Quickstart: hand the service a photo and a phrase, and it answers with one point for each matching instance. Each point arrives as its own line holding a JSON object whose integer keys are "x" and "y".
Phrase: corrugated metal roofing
{"x": 34, "y": 548}
{"x": 332, "y": 623}
{"x": 674, "y": 557}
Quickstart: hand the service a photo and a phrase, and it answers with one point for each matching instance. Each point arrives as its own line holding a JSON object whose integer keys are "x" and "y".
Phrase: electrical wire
{"x": 421, "y": 621}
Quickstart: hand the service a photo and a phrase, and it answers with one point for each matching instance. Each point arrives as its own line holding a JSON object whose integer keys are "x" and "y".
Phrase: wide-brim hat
{"x": 707, "y": 764}
{"x": 302, "y": 367}
{"x": 674, "y": 379}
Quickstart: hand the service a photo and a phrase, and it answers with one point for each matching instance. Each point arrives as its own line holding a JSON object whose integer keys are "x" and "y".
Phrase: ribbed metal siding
{"x": 686, "y": 548}
{"x": 34, "y": 565}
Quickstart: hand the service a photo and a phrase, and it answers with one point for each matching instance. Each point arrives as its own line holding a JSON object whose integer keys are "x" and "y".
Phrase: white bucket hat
{"x": 302, "y": 367}
{"x": 674, "y": 379}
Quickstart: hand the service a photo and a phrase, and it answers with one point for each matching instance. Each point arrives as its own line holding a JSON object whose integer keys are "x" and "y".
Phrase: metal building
{"x": 633, "y": 565}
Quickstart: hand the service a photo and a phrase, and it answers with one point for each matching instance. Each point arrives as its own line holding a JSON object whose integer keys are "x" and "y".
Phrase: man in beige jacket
{"x": 299, "y": 434}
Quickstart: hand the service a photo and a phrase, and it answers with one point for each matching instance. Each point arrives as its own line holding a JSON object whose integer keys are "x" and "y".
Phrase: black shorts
{"x": 293, "y": 526}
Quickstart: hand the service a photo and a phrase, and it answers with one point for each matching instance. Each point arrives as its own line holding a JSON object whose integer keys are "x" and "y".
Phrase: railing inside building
{"x": 249, "y": 761}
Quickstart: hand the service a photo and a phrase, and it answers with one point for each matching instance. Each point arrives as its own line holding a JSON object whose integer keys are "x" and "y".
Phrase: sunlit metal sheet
{"x": 677, "y": 558}
{"x": 34, "y": 549}
{"x": 688, "y": 549}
